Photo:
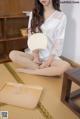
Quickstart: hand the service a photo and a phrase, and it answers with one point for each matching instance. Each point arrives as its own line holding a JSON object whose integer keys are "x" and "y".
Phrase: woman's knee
{"x": 66, "y": 66}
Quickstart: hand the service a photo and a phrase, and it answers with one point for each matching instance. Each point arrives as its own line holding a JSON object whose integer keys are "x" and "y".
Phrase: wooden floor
{"x": 49, "y": 106}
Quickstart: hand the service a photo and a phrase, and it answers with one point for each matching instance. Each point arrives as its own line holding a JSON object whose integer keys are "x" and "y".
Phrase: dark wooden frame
{"x": 67, "y": 97}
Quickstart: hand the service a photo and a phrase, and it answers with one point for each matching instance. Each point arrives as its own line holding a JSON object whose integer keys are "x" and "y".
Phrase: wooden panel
{"x": 18, "y": 44}
{"x": 13, "y": 7}
{"x": 0, "y": 30}
{"x": 13, "y": 26}
{"x": 4, "y": 4}
{"x": 2, "y": 49}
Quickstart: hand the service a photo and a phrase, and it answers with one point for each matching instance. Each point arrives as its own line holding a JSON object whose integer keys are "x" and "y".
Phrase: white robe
{"x": 54, "y": 28}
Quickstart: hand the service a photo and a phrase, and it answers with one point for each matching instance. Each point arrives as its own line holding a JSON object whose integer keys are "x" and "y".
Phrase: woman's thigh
{"x": 17, "y": 54}
{"x": 23, "y": 59}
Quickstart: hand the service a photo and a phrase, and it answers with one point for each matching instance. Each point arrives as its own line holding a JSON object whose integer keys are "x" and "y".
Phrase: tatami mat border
{"x": 40, "y": 106}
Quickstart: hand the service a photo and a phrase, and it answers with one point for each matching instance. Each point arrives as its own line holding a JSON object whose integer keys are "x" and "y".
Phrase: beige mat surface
{"x": 16, "y": 112}
{"x": 50, "y": 99}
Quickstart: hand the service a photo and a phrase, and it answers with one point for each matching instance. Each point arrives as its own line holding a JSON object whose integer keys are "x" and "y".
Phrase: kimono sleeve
{"x": 59, "y": 37}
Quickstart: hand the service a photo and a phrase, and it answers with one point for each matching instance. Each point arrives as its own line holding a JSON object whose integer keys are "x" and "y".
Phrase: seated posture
{"x": 47, "y": 18}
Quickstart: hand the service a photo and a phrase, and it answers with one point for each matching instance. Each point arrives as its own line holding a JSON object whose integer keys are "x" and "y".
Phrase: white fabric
{"x": 30, "y": 17}
{"x": 37, "y": 41}
{"x": 54, "y": 28}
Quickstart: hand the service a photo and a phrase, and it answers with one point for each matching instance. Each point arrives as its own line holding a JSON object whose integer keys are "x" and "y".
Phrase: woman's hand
{"x": 37, "y": 60}
{"x": 47, "y": 63}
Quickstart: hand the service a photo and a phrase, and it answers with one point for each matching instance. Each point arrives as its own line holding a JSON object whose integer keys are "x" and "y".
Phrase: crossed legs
{"x": 28, "y": 66}
{"x": 57, "y": 69}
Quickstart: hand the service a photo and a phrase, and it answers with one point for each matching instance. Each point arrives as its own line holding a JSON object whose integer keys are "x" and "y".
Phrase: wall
{"x": 71, "y": 48}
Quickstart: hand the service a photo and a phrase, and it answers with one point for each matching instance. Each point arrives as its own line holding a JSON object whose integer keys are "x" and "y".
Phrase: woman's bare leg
{"x": 23, "y": 59}
{"x": 58, "y": 67}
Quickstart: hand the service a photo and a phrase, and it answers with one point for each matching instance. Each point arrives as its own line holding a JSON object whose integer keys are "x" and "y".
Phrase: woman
{"x": 46, "y": 18}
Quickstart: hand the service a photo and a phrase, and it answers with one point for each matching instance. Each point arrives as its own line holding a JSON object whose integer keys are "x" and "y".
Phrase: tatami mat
{"x": 50, "y": 98}
{"x": 16, "y": 112}
{"x": 21, "y": 113}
